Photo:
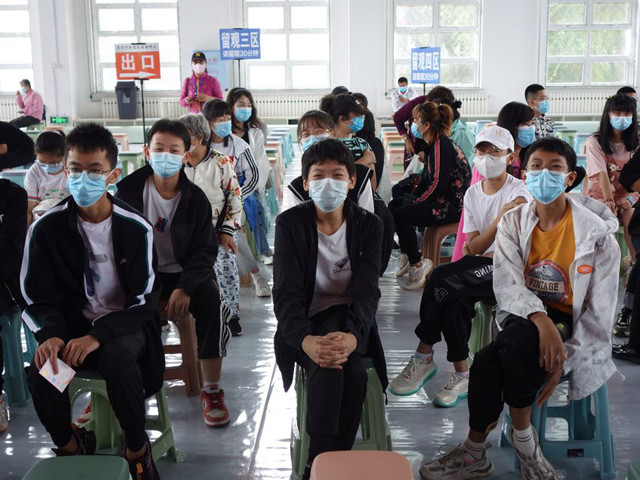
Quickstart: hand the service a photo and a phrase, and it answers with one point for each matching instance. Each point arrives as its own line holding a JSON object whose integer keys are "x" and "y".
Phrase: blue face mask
{"x": 526, "y": 136}
{"x": 223, "y": 129}
{"x": 328, "y": 194}
{"x": 50, "y": 168}
{"x": 23, "y": 90}
{"x": 543, "y": 106}
{"x": 414, "y": 130}
{"x": 620, "y": 123}
{"x": 310, "y": 140}
{"x": 165, "y": 164}
{"x": 86, "y": 190}
{"x": 357, "y": 124}
{"x": 243, "y": 113}
{"x": 544, "y": 185}
{"x": 403, "y": 89}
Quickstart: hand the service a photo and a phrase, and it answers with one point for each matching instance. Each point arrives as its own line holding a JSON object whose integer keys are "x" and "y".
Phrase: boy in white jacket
{"x": 556, "y": 274}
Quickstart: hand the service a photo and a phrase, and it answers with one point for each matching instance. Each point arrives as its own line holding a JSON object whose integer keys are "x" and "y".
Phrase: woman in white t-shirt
{"x": 45, "y": 182}
{"x": 608, "y": 151}
{"x": 452, "y": 290}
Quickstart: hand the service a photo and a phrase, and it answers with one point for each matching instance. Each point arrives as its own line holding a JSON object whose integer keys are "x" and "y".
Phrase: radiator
{"x": 579, "y": 102}
{"x": 8, "y": 108}
{"x": 473, "y": 103}
{"x": 153, "y": 107}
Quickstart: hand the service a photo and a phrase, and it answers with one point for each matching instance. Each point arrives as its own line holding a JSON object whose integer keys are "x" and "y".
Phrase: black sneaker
{"x": 86, "y": 443}
{"x": 625, "y": 352}
{"x": 623, "y": 323}
{"x": 143, "y": 467}
{"x": 235, "y": 327}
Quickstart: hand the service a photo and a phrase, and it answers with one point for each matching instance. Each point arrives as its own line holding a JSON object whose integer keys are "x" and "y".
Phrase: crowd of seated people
{"x": 97, "y": 275}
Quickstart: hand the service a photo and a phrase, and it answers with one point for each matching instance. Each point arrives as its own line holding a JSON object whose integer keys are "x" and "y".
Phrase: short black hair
{"x": 403, "y": 80}
{"x": 339, "y": 89}
{"x": 174, "y": 127}
{"x": 626, "y": 90}
{"x": 51, "y": 141}
{"x": 215, "y": 108}
{"x": 328, "y": 149}
{"x": 26, "y": 82}
{"x": 532, "y": 90}
{"x": 91, "y": 137}
{"x": 554, "y": 145}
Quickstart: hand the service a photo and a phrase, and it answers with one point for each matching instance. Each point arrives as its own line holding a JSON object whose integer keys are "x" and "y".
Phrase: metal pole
{"x": 144, "y": 129}
{"x": 424, "y": 89}
{"x": 239, "y": 84}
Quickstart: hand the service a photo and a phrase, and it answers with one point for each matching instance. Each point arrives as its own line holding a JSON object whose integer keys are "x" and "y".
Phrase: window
{"x": 15, "y": 45}
{"x": 128, "y": 21}
{"x": 590, "y": 42}
{"x": 453, "y": 25}
{"x": 295, "y": 46}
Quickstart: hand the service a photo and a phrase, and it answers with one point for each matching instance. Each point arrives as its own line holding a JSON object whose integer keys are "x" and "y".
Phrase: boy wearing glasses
{"x": 88, "y": 278}
{"x": 452, "y": 290}
{"x": 556, "y": 276}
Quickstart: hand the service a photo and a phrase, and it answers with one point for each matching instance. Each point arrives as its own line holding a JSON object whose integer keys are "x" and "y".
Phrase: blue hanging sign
{"x": 239, "y": 43}
{"x": 425, "y": 65}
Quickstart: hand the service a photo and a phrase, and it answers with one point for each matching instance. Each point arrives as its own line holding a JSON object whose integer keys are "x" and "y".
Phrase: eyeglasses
{"x": 93, "y": 173}
{"x": 308, "y": 133}
{"x": 536, "y": 167}
{"x": 494, "y": 150}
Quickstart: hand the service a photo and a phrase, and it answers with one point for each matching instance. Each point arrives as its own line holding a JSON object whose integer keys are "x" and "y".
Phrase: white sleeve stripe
{"x": 249, "y": 187}
{"x": 24, "y": 268}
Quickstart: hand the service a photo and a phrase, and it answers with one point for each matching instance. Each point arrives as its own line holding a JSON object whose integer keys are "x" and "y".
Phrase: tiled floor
{"x": 256, "y": 444}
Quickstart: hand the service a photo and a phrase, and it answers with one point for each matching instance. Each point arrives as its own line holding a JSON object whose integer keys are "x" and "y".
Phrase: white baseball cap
{"x": 497, "y": 136}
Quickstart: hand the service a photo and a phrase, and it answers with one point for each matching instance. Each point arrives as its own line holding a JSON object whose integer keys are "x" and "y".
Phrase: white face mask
{"x": 198, "y": 68}
{"x": 490, "y": 166}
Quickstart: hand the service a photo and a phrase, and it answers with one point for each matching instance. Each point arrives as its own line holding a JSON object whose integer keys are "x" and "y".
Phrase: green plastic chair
{"x": 105, "y": 424}
{"x": 480, "y": 329}
{"x": 15, "y": 379}
{"x": 634, "y": 471}
{"x": 84, "y": 467}
{"x": 373, "y": 423}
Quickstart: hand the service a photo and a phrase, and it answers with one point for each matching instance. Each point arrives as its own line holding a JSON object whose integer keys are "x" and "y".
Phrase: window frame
{"x": 436, "y": 30}
{"x": 18, "y": 66}
{"x": 94, "y": 35}
{"x": 287, "y": 30}
{"x": 587, "y": 59}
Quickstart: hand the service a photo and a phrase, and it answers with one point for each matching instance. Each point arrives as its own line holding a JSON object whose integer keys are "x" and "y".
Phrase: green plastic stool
{"x": 84, "y": 467}
{"x": 373, "y": 423}
{"x": 480, "y": 328}
{"x": 15, "y": 379}
{"x": 634, "y": 471}
{"x": 105, "y": 424}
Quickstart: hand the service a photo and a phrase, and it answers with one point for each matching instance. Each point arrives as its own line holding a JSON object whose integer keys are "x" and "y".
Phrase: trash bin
{"x": 127, "y": 98}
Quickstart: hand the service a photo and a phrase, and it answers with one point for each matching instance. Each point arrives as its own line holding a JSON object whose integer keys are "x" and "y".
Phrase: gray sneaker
{"x": 455, "y": 465}
{"x": 534, "y": 467}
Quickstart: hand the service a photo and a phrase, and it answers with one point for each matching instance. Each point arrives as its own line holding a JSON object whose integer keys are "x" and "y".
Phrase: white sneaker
{"x": 456, "y": 465}
{"x": 418, "y": 275}
{"x": 534, "y": 467}
{"x": 413, "y": 377}
{"x": 404, "y": 265}
{"x": 262, "y": 286}
{"x": 455, "y": 390}
{"x": 266, "y": 259}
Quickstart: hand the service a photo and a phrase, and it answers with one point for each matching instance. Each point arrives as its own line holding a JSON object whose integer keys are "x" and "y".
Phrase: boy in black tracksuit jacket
{"x": 187, "y": 248}
{"x": 88, "y": 278}
{"x": 628, "y": 322}
{"x": 13, "y": 228}
{"x": 306, "y": 273}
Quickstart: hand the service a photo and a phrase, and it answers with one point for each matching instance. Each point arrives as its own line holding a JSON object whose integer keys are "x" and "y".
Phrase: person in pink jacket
{"x": 31, "y": 106}
{"x": 199, "y": 87}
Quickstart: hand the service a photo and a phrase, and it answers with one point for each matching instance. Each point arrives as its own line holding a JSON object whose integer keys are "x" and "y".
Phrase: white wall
{"x": 359, "y": 37}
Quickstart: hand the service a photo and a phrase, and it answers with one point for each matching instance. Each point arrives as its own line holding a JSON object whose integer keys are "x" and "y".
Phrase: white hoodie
{"x": 594, "y": 280}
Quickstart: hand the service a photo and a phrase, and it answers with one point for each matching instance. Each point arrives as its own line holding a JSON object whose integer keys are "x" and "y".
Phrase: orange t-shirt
{"x": 548, "y": 273}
